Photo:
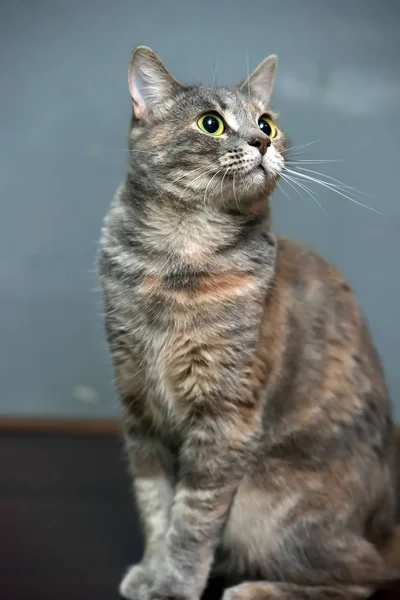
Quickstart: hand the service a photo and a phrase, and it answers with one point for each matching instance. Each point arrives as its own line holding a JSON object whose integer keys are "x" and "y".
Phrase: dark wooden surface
{"x": 67, "y": 524}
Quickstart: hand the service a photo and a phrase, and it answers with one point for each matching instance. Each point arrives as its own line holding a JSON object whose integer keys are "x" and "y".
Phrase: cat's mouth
{"x": 270, "y": 168}
{"x": 255, "y": 171}
{"x": 258, "y": 166}
{"x": 262, "y": 168}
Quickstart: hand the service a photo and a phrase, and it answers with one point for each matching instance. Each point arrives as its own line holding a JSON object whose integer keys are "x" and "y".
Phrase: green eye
{"x": 211, "y": 123}
{"x": 267, "y": 126}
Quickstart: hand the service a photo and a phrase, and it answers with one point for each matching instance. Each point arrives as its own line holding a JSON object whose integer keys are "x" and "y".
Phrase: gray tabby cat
{"x": 255, "y": 412}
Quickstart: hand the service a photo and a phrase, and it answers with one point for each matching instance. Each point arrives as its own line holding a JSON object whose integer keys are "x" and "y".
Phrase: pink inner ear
{"x": 139, "y": 109}
{"x": 139, "y": 106}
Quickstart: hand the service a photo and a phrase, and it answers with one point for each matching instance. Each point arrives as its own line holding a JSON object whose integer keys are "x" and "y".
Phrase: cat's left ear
{"x": 260, "y": 83}
{"x": 150, "y": 84}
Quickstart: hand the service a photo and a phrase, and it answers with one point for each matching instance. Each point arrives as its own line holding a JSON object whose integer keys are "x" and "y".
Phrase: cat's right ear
{"x": 260, "y": 82}
{"x": 150, "y": 84}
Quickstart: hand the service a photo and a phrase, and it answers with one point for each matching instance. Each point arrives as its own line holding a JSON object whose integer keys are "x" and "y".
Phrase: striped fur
{"x": 255, "y": 412}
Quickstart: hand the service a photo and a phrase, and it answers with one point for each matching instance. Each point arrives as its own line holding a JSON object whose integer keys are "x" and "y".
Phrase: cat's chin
{"x": 256, "y": 182}
{"x": 258, "y": 178}
{"x": 265, "y": 174}
{"x": 250, "y": 186}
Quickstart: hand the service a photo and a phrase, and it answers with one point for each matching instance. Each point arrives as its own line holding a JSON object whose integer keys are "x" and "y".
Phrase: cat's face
{"x": 203, "y": 144}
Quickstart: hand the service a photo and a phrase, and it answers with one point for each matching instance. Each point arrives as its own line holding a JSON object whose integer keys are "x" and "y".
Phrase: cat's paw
{"x": 135, "y": 584}
{"x": 169, "y": 589}
{"x": 249, "y": 590}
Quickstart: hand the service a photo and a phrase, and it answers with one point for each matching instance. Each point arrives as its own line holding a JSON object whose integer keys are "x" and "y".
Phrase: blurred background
{"x": 64, "y": 112}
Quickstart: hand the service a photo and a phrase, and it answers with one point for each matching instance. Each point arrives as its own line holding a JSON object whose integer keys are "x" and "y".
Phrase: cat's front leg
{"x": 153, "y": 486}
{"x": 212, "y": 462}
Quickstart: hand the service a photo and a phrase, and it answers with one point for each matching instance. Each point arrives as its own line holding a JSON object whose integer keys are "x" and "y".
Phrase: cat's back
{"x": 304, "y": 270}
{"x": 312, "y": 289}
{"x": 320, "y": 305}
{"x": 330, "y": 376}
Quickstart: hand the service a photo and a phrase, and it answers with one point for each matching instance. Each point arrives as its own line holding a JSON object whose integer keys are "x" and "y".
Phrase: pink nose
{"x": 262, "y": 142}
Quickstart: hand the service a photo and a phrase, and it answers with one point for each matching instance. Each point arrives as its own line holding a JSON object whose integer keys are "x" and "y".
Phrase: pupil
{"x": 264, "y": 126}
{"x": 210, "y": 124}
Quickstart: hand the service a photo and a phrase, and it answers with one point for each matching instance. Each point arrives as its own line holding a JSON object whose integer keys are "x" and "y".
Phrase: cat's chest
{"x": 183, "y": 369}
{"x": 160, "y": 401}
{"x": 193, "y": 339}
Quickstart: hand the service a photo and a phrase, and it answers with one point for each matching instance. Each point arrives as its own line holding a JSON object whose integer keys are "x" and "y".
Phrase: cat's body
{"x": 256, "y": 416}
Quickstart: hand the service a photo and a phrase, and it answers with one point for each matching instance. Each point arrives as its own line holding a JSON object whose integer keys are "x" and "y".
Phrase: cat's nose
{"x": 262, "y": 142}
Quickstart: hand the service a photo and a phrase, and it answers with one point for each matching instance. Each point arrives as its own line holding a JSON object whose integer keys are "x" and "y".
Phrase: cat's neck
{"x": 201, "y": 231}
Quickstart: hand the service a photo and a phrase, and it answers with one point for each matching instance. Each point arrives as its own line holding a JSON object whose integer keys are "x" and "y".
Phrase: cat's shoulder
{"x": 300, "y": 265}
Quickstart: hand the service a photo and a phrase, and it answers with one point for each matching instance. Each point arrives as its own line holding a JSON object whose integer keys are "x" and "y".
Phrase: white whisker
{"x": 288, "y": 181}
{"x": 131, "y": 151}
{"x": 307, "y": 190}
{"x": 339, "y": 183}
{"x": 222, "y": 182}
{"x": 283, "y": 191}
{"x": 234, "y": 192}
{"x": 300, "y": 146}
{"x": 208, "y": 185}
{"x": 196, "y": 179}
{"x": 315, "y": 161}
{"x": 248, "y": 75}
{"x": 179, "y": 178}
{"x": 334, "y": 188}
{"x": 215, "y": 73}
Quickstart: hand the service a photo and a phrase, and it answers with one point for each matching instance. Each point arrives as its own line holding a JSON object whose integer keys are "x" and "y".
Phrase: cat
{"x": 256, "y": 417}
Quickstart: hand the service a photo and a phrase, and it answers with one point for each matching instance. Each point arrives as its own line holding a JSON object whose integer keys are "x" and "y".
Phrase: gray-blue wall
{"x": 64, "y": 109}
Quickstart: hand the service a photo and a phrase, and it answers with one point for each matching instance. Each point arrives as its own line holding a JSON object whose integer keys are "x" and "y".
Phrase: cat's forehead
{"x": 228, "y": 101}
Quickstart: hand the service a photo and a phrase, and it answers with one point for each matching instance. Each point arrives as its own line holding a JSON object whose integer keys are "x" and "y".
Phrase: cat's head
{"x": 203, "y": 144}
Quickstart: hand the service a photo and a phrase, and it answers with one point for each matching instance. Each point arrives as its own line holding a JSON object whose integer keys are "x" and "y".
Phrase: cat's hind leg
{"x": 285, "y": 591}
{"x": 296, "y": 549}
